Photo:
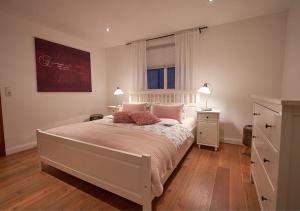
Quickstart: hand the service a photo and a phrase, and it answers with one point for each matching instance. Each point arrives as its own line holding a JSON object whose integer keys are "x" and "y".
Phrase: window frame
{"x": 165, "y": 67}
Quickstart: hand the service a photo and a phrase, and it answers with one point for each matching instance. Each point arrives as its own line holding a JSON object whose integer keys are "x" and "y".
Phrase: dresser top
{"x": 277, "y": 101}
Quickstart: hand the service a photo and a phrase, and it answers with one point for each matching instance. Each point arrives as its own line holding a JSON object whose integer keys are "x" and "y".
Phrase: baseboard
{"x": 227, "y": 140}
{"x": 20, "y": 148}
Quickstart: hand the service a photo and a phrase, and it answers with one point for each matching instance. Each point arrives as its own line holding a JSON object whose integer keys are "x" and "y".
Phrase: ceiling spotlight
{"x": 210, "y": 0}
{"x": 107, "y": 29}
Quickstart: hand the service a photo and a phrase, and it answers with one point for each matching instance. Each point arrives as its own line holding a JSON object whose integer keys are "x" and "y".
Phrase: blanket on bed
{"x": 159, "y": 147}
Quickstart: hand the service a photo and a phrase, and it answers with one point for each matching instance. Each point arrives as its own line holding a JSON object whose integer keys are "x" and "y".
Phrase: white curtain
{"x": 186, "y": 57}
{"x": 138, "y": 65}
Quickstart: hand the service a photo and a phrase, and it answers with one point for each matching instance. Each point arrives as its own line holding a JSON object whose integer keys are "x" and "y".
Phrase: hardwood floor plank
{"x": 47, "y": 201}
{"x": 12, "y": 194}
{"x": 199, "y": 181}
{"x": 176, "y": 182}
{"x": 231, "y": 159}
{"x": 220, "y": 199}
{"x": 249, "y": 189}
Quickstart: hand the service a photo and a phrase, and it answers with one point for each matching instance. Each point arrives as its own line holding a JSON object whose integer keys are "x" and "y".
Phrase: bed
{"x": 125, "y": 171}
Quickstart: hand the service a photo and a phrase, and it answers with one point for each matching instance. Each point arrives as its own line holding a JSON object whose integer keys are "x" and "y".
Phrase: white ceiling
{"x": 135, "y": 19}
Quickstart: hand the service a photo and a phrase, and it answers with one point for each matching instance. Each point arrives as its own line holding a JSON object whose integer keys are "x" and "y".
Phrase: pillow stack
{"x": 140, "y": 117}
{"x": 137, "y": 113}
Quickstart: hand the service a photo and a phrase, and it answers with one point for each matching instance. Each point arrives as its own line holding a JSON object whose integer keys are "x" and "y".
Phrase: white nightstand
{"x": 113, "y": 109}
{"x": 208, "y": 128}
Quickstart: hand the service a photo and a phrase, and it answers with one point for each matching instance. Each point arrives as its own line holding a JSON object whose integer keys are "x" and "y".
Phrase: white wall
{"x": 26, "y": 110}
{"x": 291, "y": 73}
{"x": 118, "y": 72}
{"x": 239, "y": 59}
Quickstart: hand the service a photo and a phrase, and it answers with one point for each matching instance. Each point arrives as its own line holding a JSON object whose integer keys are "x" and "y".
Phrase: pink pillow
{"x": 144, "y": 118}
{"x": 168, "y": 111}
{"x": 134, "y": 107}
{"x": 122, "y": 117}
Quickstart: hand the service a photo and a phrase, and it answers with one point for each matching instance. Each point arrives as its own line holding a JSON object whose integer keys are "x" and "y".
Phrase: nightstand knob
{"x": 206, "y": 117}
{"x": 200, "y": 132}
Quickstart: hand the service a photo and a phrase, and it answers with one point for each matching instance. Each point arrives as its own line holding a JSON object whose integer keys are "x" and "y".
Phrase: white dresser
{"x": 275, "y": 157}
{"x": 208, "y": 128}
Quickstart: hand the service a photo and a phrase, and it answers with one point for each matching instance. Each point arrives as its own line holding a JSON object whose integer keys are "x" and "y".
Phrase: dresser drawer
{"x": 269, "y": 122}
{"x": 207, "y": 116}
{"x": 266, "y": 195}
{"x": 268, "y": 155}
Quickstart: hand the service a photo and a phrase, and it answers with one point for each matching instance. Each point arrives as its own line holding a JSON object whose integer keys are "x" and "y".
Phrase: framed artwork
{"x": 61, "y": 68}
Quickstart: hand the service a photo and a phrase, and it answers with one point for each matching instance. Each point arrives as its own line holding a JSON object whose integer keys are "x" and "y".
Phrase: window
{"x": 161, "y": 78}
{"x": 171, "y": 77}
{"x": 155, "y": 78}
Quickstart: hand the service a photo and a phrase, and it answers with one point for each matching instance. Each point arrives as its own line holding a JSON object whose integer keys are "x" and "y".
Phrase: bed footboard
{"x": 125, "y": 174}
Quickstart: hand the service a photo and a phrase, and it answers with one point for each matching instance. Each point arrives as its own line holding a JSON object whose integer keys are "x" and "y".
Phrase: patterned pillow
{"x": 144, "y": 118}
{"x": 168, "y": 111}
{"x": 122, "y": 117}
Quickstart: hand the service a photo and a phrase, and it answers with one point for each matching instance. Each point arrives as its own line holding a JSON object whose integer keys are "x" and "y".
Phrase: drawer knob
{"x": 206, "y": 117}
{"x": 256, "y": 114}
{"x": 252, "y": 162}
{"x": 200, "y": 132}
{"x": 253, "y": 136}
{"x": 266, "y": 160}
{"x": 268, "y": 126}
{"x": 264, "y": 198}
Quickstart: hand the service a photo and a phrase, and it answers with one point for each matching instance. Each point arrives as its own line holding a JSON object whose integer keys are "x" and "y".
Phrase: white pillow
{"x": 168, "y": 122}
{"x": 108, "y": 117}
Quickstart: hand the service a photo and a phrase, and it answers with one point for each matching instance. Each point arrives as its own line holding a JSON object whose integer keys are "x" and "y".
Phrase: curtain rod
{"x": 170, "y": 35}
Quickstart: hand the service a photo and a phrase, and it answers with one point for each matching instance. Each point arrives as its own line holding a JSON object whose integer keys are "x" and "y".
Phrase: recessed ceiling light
{"x": 107, "y": 29}
{"x": 210, "y": 0}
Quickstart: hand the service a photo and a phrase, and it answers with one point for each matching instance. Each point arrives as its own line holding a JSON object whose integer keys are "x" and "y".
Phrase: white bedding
{"x": 177, "y": 133}
{"x": 189, "y": 123}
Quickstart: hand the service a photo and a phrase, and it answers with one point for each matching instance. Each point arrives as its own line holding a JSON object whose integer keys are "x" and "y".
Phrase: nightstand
{"x": 208, "y": 128}
{"x": 113, "y": 109}
{"x": 96, "y": 116}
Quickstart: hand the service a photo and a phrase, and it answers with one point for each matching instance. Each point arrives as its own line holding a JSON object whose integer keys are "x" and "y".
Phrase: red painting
{"x": 62, "y": 69}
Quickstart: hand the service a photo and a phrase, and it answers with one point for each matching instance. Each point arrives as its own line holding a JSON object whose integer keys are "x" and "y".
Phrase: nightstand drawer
{"x": 207, "y": 116}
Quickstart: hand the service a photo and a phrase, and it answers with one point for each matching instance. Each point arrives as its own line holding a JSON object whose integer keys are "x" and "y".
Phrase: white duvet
{"x": 177, "y": 133}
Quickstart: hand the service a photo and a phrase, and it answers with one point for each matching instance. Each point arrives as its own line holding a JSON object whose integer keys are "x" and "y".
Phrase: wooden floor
{"x": 204, "y": 180}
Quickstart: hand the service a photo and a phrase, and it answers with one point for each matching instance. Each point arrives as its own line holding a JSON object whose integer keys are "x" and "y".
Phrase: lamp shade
{"x": 205, "y": 89}
{"x": 118, "y": 91}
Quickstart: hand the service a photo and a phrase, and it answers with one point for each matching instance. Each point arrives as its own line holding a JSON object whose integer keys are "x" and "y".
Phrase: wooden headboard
{"x": 190, "y": 99}
{"x": 165, "y": 97}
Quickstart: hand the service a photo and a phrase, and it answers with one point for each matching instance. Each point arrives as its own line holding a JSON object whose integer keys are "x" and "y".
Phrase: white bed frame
{"x": 125, "y": 174}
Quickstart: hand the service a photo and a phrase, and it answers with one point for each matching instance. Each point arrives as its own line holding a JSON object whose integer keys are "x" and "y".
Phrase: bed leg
{"x": 147, "y": 206}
